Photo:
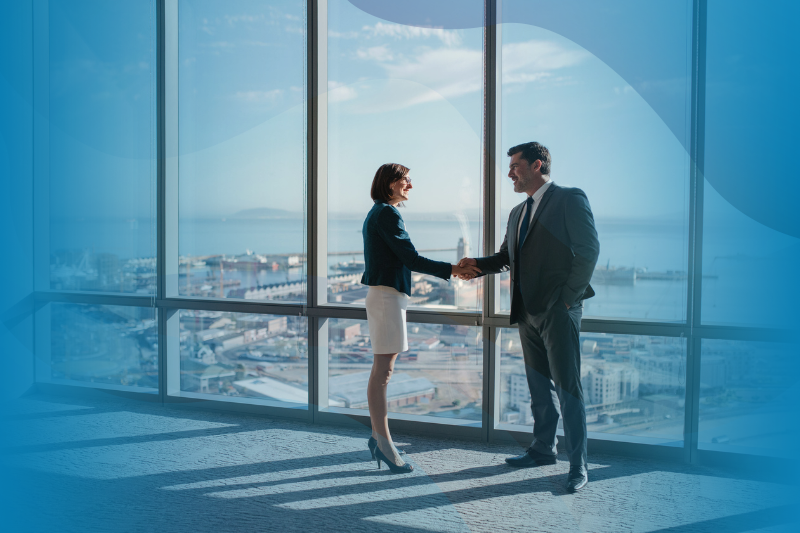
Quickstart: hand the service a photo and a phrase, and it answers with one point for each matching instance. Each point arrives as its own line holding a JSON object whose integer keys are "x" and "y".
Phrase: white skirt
{"x": 386, "y": 314}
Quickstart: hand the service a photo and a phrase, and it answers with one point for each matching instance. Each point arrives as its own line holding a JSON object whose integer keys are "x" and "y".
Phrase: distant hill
{"x": 266, "y": 213}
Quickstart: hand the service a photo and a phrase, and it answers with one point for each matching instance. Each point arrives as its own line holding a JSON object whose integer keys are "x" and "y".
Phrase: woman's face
{"x": 400, "y": 189}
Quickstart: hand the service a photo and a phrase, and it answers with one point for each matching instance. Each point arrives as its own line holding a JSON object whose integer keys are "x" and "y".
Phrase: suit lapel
{"x": 545, "y": 198}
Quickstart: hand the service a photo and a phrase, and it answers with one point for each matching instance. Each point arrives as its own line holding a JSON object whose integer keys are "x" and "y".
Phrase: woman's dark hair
{"x": 384, "y": 178}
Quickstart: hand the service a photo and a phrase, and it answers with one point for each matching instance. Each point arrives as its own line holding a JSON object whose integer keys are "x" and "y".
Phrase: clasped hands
{"x": 466, "y": 269}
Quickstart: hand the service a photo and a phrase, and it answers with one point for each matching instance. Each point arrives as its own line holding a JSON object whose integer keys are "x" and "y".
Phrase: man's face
{"x": 521, "y": 173}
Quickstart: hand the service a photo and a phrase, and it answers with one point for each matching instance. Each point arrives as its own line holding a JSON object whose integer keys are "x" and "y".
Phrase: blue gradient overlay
{"x": 78, "y": 197}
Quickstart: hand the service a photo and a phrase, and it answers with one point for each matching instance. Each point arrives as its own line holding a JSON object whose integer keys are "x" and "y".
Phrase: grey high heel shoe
{"x": 395, "y": 469}
{"x": 373, "y": 445}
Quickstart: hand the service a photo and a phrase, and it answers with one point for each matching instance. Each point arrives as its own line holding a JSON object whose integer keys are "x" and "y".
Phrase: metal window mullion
{"x": 41, "y": 144}
{"x": 316, "y": 176}
{"x": 490, "y": 129}
{"x": 160, "y": 208}
{"x": 494, "y": 144}
{"x": 320, "y": 389}
{"x": 41, "y": 183}
{"x": 93, "y": 298}
{"x": 696, "y": 178}
{"x": 167, "y": 201}
{"x": 317, "y": 153}
{"x": 232, "y": 306}
{"x": 625, "y": 327}
{"x": 490, "y": 98}
{"x": 491, "y": 383}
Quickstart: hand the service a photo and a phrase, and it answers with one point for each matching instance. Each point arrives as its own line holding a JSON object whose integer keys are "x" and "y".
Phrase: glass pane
{"x": 748, "y": 397}
{"x": 101, "y": 151}
{"x": 242, "y": 149}
{"x": 101, "y": 344}
{"x": 408, "y": 95}
{"x": 245, "y": 356}
{"x": 742, "y": 261}
{"x": 607, "y": 91}
{"x": 633, "y": 385}
{"x": 440, "y": 374}
{"x": 751, "y": 235}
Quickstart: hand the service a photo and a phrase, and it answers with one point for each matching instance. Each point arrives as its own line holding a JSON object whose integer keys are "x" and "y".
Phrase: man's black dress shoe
{"x": 577, "y": 479}
{"x": 531, "y": 458}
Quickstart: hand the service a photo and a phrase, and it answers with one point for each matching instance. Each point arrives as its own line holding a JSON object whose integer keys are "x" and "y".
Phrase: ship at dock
{"x": 612, "y": 275}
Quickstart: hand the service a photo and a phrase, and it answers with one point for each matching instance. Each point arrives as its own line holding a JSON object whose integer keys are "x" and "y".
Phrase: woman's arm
{"x": 393, "y": 231}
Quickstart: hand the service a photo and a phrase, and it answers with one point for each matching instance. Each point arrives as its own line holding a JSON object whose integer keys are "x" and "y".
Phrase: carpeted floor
{"x": 120, "y": 465}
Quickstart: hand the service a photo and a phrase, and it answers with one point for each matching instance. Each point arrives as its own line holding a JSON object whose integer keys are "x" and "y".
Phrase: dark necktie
{"x": 523, "y": 231}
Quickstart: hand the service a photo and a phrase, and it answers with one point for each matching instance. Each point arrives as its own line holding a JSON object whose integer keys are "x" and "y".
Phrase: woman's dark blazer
{"x": 389, "y": 256}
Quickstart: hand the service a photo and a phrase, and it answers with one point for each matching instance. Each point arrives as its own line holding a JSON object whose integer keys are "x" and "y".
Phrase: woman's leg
{"x": 382, "y": 368}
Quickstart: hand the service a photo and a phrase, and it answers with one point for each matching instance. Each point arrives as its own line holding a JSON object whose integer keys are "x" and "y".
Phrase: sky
{"x": 396, "y": 93}
{"x": 409, "y": 95}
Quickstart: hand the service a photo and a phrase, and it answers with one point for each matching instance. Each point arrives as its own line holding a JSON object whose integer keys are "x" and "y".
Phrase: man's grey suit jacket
{"x": 558, "y": 254}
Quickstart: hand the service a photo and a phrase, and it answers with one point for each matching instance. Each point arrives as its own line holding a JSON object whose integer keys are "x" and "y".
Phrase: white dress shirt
{"x": 537, "y": 199}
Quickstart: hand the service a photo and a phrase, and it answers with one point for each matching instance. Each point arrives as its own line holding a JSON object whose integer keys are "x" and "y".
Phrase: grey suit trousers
{"x": 551, "y": 349}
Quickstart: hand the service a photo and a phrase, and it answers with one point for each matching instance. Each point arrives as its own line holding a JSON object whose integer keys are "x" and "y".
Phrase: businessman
{"x": 551, "y": 247}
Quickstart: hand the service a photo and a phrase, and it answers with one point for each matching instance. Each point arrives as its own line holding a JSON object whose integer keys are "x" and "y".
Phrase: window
{"x": 751, "y": 236}
{"x": 109, "y": 346}
{"x": 745, "y": 397}
{"x": 742, "y": 258}
{"x": 616, "y": 127}
{"x": 439, "y": 375}
{"x": 633, "y": 385}
{"x": 239, "y": 355}
{"x": 242, "y": 150}
{"x": 408, "y": 95}
{"x": 228, "y": 137}
{"x": 100, "y": 149}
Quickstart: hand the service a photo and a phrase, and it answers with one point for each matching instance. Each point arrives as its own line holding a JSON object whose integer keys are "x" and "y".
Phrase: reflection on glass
{"x": 245, "y": 355}
{"x": 606, "y": 138}
{"x": 408, "y": 95}
{"x": 108, "y": 344}
{"x": 748, "y": 397}
{"x": 242, "y": 149}
{"x": 632, "y": 384}
{"x": 101, "y": 145}
{"x": 440, "y": 374}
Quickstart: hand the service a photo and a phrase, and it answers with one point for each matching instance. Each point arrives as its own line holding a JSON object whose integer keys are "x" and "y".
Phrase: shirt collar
{"x": 538, "y": 194}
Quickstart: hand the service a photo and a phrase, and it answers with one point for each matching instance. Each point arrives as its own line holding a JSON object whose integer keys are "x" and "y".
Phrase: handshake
{"x": 466, "y": 269}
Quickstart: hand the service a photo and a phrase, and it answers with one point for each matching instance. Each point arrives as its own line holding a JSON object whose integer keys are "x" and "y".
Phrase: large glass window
{"x": 101, "y": 147}
{"x": 748, "y": 397}
{"x": 751, "y": 238}
{"x": 440, "y": 374}
{"x": 616, "y": 127}
{"x": 742, "y": 259}
{"x": 100, "y": 344}
{"x": 239, "y": 355}
{"x": 242, "y": 149}
{"x": 408, "y": 95}
{"x": 633, "y": 385}
{"x": 607, "y": 88}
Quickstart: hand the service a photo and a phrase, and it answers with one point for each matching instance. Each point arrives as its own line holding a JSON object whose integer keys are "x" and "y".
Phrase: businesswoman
{"x": 389, "y": 258}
